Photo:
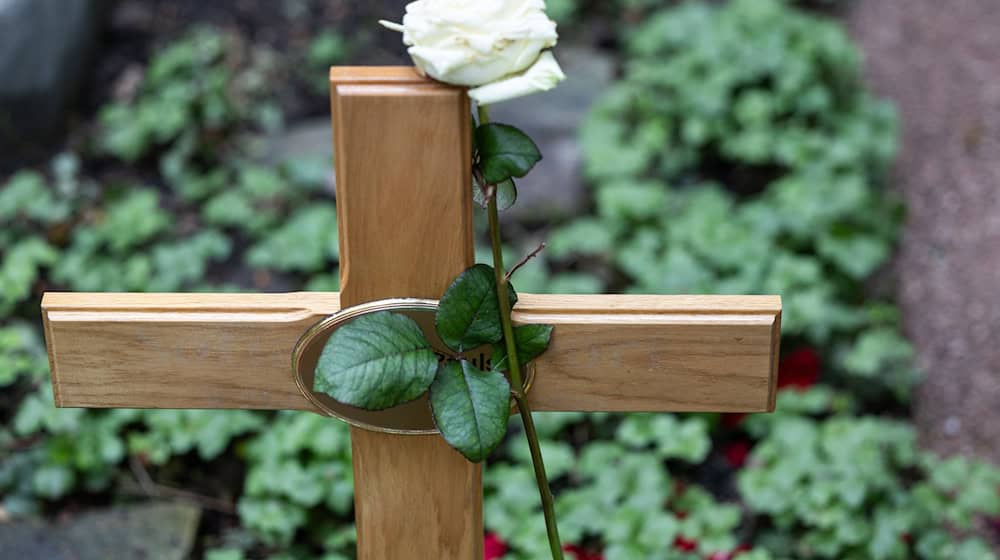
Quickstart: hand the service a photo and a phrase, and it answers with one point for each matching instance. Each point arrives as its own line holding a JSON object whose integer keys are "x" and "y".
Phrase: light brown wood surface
{"x": 655, "y": 353}
{"x": 609, "y": 353}
{"x": 404, "y": 207}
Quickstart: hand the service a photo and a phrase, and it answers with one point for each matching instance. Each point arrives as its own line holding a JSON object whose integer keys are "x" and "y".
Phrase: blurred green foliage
{"x": 192, "y": 94}
{"x": 327, "y": 49}
{"x": 739, "y": 153}
{"x": 859, "y": 488}
{"x": 208, "y": 218}
{"x": 569, "y": 14}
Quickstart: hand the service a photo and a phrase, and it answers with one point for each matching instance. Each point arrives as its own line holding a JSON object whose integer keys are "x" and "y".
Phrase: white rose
{"x": 494, "y": 46}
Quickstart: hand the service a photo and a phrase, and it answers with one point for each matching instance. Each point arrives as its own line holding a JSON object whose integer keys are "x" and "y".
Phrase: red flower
{"x": 685, "y": 545}
{"x": 993, "y": 523}
{"x": 732, "y": 419}
{"x": 736, "y": 453}
{"x": 582, "y": 553}
{"x": 800, "y": 369}
{"x": 494, "y": 547}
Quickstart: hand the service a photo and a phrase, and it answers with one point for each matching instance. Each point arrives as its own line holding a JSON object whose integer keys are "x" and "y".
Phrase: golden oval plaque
{"x": 413, "y": 417}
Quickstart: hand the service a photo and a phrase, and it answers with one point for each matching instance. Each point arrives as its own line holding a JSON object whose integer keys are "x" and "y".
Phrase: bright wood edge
{"x": 291, "y": 314}
{"x": 772, "y": 396}
{"x": 638, "y": 304}
{"x": 311, "y": 301}
{"x": 376, "y": 75}
{"x": 50, "y": 349}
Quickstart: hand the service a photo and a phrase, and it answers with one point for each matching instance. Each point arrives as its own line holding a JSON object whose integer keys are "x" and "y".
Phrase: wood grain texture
{"x": 404, "y": 207}
{"x": 610, "y": 353}
{"x": 178, "y": 350}
{"x": 655, "y": 353}
{"x": 404, "y": 201}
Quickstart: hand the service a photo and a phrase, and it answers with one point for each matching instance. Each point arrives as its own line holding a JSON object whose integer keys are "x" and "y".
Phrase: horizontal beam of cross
{"x": 609, "y": 352}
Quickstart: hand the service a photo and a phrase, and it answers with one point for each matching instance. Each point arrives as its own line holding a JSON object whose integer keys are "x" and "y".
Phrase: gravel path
{"x": 940, "y": 61}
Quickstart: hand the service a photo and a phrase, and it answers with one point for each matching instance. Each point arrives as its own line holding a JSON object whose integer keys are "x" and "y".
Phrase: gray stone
{"x": 311, "y": 139}
{"x": 164, "y": 531}
{"x": 555, "y": 188}
{"x": 309, "y": 142}
{"x": 44, "y": 45}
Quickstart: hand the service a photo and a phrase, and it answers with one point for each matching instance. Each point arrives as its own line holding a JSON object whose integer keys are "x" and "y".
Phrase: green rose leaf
{"x": 376, "y": 361}
{"x": 505, "y": 152}
{"x": 471, "y": 408}
{"x": 531, "y": 341}
{"x": 468, "y": 314}
{"x": 506, "y": 194}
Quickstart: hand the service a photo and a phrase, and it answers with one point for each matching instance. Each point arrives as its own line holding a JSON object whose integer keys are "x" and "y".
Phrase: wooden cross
{"x": 404, "y": 205}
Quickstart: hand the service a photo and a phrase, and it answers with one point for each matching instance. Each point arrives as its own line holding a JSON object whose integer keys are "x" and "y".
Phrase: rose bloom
{"x": 496, "y": 47}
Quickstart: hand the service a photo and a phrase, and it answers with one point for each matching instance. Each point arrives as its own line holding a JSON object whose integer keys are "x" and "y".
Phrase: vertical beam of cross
{"x": 404, "y": 207}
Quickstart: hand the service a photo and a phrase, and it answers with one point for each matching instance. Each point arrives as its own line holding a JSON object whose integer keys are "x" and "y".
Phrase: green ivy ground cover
{"x": 739, "y": 153}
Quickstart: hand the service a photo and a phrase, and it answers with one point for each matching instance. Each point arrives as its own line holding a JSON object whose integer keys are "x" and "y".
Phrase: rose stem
{"x": 548, "y": 504}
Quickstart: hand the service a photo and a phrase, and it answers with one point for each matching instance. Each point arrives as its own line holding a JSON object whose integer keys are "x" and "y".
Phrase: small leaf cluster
{"x": 191, "y": 81}
{"x": 384, "y": 359}
{"x": 33, "y": 211}
{"x": 300, "y": 476}
{"x": 859, "y": 487}
{"x": 23, "y": 353}
{"x": 616, "y": 496}
{"x": 500, "y": 154}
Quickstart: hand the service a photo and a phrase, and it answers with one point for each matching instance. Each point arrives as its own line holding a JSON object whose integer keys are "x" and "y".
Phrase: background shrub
{"x": 741, "y": 154}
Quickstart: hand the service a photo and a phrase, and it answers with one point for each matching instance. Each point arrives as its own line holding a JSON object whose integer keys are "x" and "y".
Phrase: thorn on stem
{"x": 525, "y": 260}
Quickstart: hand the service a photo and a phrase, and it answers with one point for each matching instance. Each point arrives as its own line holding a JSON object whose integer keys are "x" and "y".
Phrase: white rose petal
{"x": 479, "y": 42}
{"x": 541, "y": 76}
